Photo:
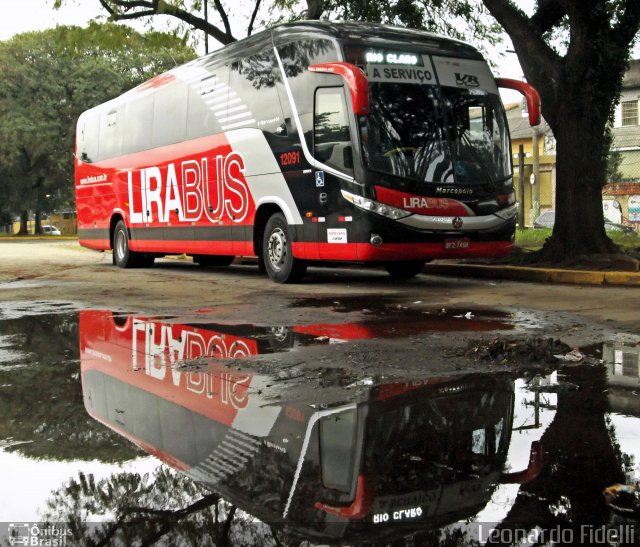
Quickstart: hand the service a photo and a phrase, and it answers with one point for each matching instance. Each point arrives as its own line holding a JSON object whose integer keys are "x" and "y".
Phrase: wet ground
{"x": 337, "y": 419}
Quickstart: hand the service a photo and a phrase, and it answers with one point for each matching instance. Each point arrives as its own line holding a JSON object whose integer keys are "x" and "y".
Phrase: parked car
{"x": 50, "y": 230}
{"x": 548, "y": 218}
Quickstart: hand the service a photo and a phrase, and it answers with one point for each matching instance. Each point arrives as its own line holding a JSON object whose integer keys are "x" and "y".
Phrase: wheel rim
{"x": 121, "y": 245}
{"x": 277, "y": 248}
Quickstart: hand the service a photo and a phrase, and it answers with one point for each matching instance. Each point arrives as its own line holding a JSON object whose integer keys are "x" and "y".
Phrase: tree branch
{"x": 223, "y": 16}
{"x": 314, "y": 9}
{"x": 627, "y": 29}
{"x": 537, "y": 59}
{"x": 134, "y": 9}
{"x": 548, "y": 15}
{"x": 253, "y": 18}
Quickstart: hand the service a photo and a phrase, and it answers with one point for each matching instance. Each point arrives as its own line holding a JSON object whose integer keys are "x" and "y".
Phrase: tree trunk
{"x": 581, "y": 167}
{"x": 24, "y": 223}
{"x": 581, "y": 458}
{"x": 38, "y": 226}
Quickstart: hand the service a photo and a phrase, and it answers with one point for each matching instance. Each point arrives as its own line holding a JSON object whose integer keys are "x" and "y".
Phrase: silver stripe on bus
{"x": 303, "y": 143}
{"x": 470, "y": 224}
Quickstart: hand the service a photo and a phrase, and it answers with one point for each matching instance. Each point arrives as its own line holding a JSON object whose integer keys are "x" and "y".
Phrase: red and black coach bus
{"x": 308, "y": 142}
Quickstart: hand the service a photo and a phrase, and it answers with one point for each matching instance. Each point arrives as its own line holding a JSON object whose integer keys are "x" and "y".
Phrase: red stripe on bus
{"x": 398, "y": 251}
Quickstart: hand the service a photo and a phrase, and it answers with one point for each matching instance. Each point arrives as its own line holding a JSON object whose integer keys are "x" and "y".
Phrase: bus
{"x": 309, "y": 142}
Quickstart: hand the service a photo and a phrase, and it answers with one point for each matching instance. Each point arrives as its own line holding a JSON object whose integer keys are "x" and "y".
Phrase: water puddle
{"x": 104, "y": 424}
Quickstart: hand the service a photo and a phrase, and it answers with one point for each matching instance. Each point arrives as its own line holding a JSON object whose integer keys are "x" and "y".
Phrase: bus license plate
{"x": 451, "y": 244}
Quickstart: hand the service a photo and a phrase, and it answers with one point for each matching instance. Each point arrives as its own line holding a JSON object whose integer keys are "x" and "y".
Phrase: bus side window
{"x": 169, "y": 114}
{"x": 111, "y": 130}
{"x": 139, "y": 116}
{"x": 338, "y": 449}
{"x": 332, "y": 139}
{"x": 207, "y": 102}
{"x": 296, "y": 58}
{"x": 88, "y": 138}
{"x": 253, "y": 100}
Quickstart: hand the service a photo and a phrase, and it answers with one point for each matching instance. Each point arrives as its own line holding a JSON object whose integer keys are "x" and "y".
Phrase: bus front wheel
{"x": 277, "y": 256}
{"x": 405, "y": 269}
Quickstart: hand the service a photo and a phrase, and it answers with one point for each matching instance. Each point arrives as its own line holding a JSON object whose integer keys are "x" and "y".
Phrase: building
{"x": 522, "y": 134}
{"x": 621, "y": 197}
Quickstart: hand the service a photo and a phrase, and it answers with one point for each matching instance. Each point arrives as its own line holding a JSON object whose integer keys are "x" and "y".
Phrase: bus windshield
{"x": 432, "y": 134}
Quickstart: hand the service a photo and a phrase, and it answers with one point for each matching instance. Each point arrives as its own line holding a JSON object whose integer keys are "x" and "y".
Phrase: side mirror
{"x": 530, "y": 94}
{"x": 356, "y": 81}
{"x": 531, "y": 472}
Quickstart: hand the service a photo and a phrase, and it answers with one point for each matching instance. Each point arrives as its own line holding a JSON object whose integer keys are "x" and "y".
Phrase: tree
{"x": 466, "y": 20}
{"x": 190, "y": 12}
{"x": 579, "y": 83}
{"x": 42, "y": 403}
{"x": 165, "y": 508}
{"x": 460, "y": 19}
{"x": 49, "y": 78}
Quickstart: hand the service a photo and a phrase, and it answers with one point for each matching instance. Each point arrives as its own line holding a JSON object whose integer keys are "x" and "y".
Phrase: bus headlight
{"x": 507, "y": 212}
{"x": 375, "y": 207}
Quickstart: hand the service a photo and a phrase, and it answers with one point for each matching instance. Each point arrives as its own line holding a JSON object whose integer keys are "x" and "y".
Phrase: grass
{"x": 532, "y": 240}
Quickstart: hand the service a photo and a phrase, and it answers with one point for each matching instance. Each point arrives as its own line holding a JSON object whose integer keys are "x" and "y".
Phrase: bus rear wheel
{"x": 123, "y": 256}
{"x": 277, "y": 255}
{"x": 405, "y": 269}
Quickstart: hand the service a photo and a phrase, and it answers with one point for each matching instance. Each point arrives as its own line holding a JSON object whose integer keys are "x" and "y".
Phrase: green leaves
{"x": 49, "y": 78}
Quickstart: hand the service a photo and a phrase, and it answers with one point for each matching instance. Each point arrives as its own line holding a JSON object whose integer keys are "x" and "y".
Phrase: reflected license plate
{"x": 451, "y": 244}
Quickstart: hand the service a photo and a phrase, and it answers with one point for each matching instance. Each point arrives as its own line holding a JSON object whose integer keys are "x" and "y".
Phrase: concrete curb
{"x": 537, "y": 275}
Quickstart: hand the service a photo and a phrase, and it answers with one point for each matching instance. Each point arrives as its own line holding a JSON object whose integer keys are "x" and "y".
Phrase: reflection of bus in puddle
{"x": 400, "y": 457}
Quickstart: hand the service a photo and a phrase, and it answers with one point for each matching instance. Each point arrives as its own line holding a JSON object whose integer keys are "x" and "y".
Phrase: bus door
{"x": 332, "y": 146}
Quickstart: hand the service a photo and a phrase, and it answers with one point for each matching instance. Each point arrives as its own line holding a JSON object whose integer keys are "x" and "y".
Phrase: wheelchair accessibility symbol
{"x": 319, "y": 179}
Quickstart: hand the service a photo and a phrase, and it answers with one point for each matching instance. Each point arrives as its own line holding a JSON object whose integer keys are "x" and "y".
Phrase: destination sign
{"x": 392, "y": 58}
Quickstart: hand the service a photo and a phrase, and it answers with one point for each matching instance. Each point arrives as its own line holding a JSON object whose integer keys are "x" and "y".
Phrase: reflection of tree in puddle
{"x": 41, "y": 397}
{"x": 142, "y": 510}
{"x": 582, "y": 457}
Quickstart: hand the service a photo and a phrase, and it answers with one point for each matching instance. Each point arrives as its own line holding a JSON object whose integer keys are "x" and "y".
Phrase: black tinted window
{"x": 170, "y": 114}
{"x": 139, "y": 120}
{"x": 332, "y": 139}
{"x": 111, "y": 130}
{"x": 253, "y": 100}
{"x": 207, "y": 101}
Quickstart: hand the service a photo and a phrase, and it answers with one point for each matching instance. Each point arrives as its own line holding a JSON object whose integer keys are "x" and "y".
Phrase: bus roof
{"x": 378, "y": 34}
{"x": 353, "y": 32}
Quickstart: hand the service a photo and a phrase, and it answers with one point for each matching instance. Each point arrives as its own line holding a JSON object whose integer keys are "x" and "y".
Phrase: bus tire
{"x": 404, "y": 269}
{"x": 123, "y": 257}
{"x": 277, "y": 255}
{"x": 213, "y": 261}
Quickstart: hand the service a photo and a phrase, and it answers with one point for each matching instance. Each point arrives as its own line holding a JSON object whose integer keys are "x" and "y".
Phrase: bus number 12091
{"x": 289, "y": 158}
